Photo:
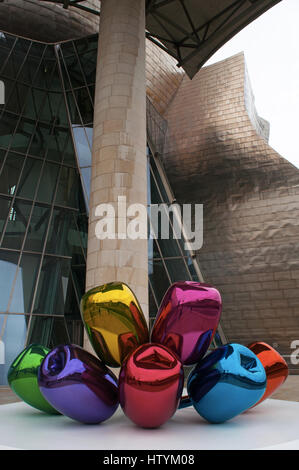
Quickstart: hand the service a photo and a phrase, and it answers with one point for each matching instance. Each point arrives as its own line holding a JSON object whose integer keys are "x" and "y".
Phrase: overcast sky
{"x": 271, "y": 47}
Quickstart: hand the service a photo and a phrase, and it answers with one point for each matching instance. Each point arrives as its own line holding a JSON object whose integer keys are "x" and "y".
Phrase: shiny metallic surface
{"x": 187, "y": 319}
{"x": 275, "y": 366}
{"x": 44, "y": 21}
{"x": 22, "y": 377}
{"x": 114, "y": 322}
{"x": 150, "y": 385}
{"x": 78, "y": 384}
{"x": 250, "y": 196}
{"x": 226, "y": 382}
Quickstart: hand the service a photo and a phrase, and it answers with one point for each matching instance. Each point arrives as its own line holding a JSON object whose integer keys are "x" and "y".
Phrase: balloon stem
{"x": 185, "y": 402}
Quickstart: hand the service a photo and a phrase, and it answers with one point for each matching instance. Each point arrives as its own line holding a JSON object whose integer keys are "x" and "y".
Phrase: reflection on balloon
{"x": 22, "y": 377}
{"x": 275, "y": 366}
{"x": 114, "y": 322}
{"x": 226, "y": 382}
{"x": 187, "y": 319}
{"x": 150, "y": 385}
{"x": 78, "y": 384}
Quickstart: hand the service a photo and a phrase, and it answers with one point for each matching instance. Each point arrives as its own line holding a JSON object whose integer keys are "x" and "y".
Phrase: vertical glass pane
{"x": 13, "y": 330}
{"x": 158, "y": 278}
{"x": 177, "y": 270}
{"x": 48, "y": 331}
{"x": 8, "y": 268}
{"x": 68, "y": 187}
{"x": 40, "y": 140}
{"x": 63, "y": 237}
{"x": 10, "y": 173}
{"x": 2, "y": 157}
{"x": 40, "y": 330}
{"x": 16, "y": 225}
{"x": 48, "y": 183}
{"x": 82, "y": 146}
{"x": 86, "y": 176}
{"x": 22, "y": 138}
{"x": 8, "y": 124}
{"x": 5, "y": 204}
{"x": 52, "y": 286}
{"x": 69, "y": 156}
{"x": 37, "y": 229}
{"x": 57, "y": 142}
{"x": 29, "y": 179}
{"x": 25, "y": 284}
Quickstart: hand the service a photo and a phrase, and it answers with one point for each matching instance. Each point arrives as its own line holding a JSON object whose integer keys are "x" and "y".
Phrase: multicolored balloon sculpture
{"x": 226, "y": 382}
{"x": 150, "y": 385}
{"x": 187, "y": 320}
{"x": 73, "y": 382}
{"x": 78, "y": 384}
{"x": 22, "y": 377}
{"x": 275, "y": 366}
{"x": 114, "y": 322}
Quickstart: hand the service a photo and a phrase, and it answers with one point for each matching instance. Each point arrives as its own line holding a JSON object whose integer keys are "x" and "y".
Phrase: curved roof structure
{"x": 191, "y": 31}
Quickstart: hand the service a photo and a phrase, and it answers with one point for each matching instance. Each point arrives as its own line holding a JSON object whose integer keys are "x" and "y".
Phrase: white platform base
{"x": 274, "y": 425}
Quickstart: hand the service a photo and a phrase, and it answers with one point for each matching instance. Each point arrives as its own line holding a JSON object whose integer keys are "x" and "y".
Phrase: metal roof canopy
{"x": 191, "y": 31}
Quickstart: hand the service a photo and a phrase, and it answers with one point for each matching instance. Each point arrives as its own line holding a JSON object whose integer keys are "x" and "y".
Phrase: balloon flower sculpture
{"x": 224, "y": 383}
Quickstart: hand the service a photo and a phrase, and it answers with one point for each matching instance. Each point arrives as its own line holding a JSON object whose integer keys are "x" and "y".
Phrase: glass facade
{"x": 45, "y": 170}
{"x": 43, "y": 216}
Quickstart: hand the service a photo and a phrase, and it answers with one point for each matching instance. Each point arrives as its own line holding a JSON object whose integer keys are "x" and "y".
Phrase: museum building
{"x": 205, "y": 144}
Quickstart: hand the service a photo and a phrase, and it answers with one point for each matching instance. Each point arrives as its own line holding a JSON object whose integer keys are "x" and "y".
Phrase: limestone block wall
{"x": 216, "y": 155}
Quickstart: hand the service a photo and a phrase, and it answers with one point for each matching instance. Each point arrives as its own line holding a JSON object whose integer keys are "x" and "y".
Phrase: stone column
{"x": 119, "y": 144}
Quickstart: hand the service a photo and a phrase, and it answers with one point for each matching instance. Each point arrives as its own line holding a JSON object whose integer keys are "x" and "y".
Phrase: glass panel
{"x": 10, "y": 173}
{"x": 29, "y": 179}
{"x": 48, "y": 183}
{"x": 23, "y": 135}
{"x": 82, "y": 146}
{"x": 85, "y": 104}
{"x": 40, "y": 140}
{"x": 177, "y": 270}
{"x": 30, "y": 108}
{"x": 63, "y": 238}
{"x": 82, "y": 225}
{"x": 16, "y": 225}
{"x": 37, "y": 229}
{"x": 158, "y": 278}
{"x": 192, "y": 269}
{"x": 48, "y": 331}
{"x": 4, "y": 210}
{"x": 25, "y": 284}
{"x": 2, "y": 157}
{"x": 46, "y": 74}
{"x": 8, "y": 124}
{"x": 86, "y": 175}
{"x": 40, "y": 330}
{"x": 13, "y": 330}
{"x": 8, "y": 268}
{"x": 74, "y": 71}
{"x": 7, "y": 41}
{"x": 69, "y": 157}
{"x": 14, "y": 63}
{"x": 57, "y": 141}
{"x": 153, "y": 307}
{"x": 68, "y": 187}
{"x": 52, "y": 286}
{"x": 158, "y": 191}
{"x": 74, "y": 115}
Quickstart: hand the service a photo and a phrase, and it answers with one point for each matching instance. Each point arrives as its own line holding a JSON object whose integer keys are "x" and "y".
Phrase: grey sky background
{"x": 271, "y": 48}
